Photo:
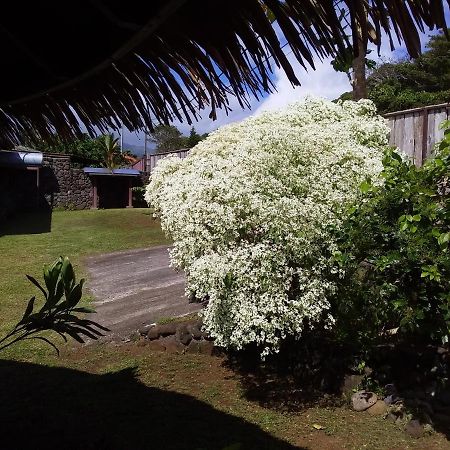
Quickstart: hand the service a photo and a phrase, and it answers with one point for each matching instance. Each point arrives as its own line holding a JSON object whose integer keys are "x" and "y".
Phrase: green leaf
{"x": 59, "y": 292}
{"x": 365, "y": 186}
{"x": 28, "y": 310}
{"x": 67, "y": 274}
{"x": 75, "y": 294}
{"x": 36, "y": 283}
{"x": 83, "y": 309}
{"x": 396, "y": 156}
{"x": 228, "y": 280}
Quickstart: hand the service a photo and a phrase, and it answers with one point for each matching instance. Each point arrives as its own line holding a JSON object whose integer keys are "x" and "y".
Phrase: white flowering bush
{"x": 251, "y": 212}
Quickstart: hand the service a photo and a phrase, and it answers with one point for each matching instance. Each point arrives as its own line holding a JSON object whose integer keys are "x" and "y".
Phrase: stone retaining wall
{"x": 63, "y": 185}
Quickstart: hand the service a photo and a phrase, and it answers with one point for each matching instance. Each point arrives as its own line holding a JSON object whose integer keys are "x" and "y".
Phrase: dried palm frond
{"x": 195, "y": 54}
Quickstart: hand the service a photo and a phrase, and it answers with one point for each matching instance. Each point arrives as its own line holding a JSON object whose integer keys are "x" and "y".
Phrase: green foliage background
{"x": 395, "y": 86}
{"x": 396, "y": 255}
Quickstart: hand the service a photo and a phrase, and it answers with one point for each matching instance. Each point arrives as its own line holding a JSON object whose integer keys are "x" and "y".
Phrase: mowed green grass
{"x": 128, "y": 396}
{"x": 29, "y": 241}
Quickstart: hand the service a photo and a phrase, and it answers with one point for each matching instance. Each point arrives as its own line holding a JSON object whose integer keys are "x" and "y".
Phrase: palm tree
{"x": 111, "y": 155}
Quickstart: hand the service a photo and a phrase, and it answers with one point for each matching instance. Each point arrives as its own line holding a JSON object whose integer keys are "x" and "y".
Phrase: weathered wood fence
{"x": 148, "y": 163}
{"x": 415, "y": 131}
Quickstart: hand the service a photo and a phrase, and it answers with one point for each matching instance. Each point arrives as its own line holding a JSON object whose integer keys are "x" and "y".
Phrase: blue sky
{"x": 323, "y": 82}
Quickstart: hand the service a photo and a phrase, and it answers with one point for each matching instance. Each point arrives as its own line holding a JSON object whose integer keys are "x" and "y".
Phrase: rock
{"x": 143, "y": 331}
{"x": 167, "y": 329}
{"x": 363, "y": 400}
{"x": 183, "y": 335}
{"x": 153, "y": 332}
{"x": 378, "y": 409}
{"x": 390, "y": 389}
{"x": 415, "y": 429}
{"x": 195, "y": 330}
{"x": 351, "y": 382}
{"x": 201, "y": 347}
{"x": 171, "y": 344}
{"x": 206, "y": 347}
{"x": 156, "y": 345}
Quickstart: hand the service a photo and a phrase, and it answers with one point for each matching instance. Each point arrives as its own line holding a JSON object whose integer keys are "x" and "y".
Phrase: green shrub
{"x": 59, "y": 313}
{"x": 138, "y": 197}
{"x": 394, "y": 249}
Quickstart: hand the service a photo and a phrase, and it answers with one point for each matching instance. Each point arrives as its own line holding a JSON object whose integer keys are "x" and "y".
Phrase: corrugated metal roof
{"x": 23, "y": 159}
{"x": 111, "y": 172}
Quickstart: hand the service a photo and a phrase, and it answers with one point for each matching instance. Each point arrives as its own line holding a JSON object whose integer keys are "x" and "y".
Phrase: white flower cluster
{"x": 250, "y": 211}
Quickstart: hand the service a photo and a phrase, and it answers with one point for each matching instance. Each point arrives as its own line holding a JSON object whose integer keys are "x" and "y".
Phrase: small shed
{"x": 111, "y": 188}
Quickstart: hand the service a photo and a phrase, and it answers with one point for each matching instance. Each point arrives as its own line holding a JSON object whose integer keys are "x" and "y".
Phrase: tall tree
{"x": 355, "y": 66}
{"x": 111, "y": 154}
{"x": 194, "y": 138}
{"x": 413, "y": 83}
{"x": 167, "y": 138}
{"x": 404, "y": 84}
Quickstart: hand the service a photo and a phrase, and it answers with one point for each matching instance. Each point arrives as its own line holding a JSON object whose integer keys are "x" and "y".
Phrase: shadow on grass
{"x": 44, "y": 407}
{"x": 305, "y": 373}
{"x": 27, "y": 223}
{"x": 312, "y": 372}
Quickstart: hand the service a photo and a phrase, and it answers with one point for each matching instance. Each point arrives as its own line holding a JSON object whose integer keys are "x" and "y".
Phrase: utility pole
{"x": 145, "y": 150}
{"x": 121, "y": 138}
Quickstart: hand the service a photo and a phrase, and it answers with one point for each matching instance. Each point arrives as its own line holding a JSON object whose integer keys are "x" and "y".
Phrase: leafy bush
{"x": 395, "y": 252}
{"x": 250, "y": 211}
{"x": 138, "y": 196}
{"x": 59, "y": 313}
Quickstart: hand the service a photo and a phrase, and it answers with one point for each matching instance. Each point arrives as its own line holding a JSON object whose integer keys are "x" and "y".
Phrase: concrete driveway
{"x": 136, "y": 288}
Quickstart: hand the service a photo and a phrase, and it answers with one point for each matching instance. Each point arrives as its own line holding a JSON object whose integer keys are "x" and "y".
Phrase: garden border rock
{"x": 178, "y": 337}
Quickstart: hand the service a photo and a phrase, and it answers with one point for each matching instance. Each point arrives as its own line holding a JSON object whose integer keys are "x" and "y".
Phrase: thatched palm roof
{"x": 105, "y": 62}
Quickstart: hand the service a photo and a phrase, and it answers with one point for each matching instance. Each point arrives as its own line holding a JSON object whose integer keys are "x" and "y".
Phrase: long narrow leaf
{"x": 28, "y": 310}
{"x": 75, "y": 295}
{"x": 36, "y": 283}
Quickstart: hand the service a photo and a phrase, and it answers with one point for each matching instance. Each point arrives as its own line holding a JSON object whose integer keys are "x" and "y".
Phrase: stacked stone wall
{"x": 63, "y": 185}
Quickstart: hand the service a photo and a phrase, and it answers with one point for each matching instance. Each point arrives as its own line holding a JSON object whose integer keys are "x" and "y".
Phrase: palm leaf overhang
{"x": 102, "y": 63}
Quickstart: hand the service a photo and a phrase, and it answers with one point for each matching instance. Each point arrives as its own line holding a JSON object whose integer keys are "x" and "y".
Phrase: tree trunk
{"x": 359, "y": 72}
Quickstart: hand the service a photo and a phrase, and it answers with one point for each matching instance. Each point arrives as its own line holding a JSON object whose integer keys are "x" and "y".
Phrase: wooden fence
{"x": 415, "y": 131}
{"x": 148, "y": 163}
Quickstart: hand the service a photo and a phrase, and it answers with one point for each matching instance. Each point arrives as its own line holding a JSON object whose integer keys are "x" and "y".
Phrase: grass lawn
{"x": 71, "y": 233}
{"x": 112, "y": 396}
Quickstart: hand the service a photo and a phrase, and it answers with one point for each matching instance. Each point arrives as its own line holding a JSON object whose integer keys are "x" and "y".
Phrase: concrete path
{"x": 136, "y": 288}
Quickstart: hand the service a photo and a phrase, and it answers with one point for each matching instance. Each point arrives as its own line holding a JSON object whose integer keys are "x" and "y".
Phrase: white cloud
{"x": 322, "y": 82}
{"x": 206, "y": 125}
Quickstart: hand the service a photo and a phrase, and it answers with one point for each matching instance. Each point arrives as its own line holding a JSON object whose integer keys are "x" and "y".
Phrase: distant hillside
{"x": 138, "y": 150}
